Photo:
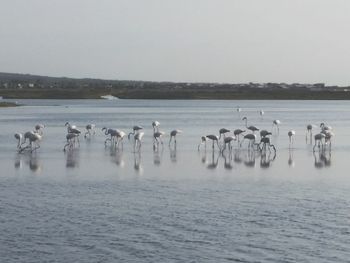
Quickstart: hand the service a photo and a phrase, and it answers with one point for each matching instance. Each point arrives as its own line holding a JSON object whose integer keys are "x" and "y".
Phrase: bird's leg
{"x": 170, "y": 140}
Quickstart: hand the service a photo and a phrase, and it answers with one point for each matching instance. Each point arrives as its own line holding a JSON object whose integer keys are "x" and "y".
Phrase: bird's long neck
{"x": 246, "y": 123}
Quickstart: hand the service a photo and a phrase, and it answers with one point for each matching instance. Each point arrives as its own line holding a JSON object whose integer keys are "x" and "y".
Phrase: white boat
{"x": 109, "y": 97}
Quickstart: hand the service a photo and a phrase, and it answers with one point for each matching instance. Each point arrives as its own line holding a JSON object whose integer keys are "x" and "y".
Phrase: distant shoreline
{"x": 251, "y": 94}
{"x": 26, "y": 86}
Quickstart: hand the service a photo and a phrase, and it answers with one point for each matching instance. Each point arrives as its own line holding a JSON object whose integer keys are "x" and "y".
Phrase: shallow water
{"x": 96, "y": 204}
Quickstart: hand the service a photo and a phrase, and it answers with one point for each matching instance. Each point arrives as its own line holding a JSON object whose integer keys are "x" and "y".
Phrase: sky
{"x": 226, "y": 41}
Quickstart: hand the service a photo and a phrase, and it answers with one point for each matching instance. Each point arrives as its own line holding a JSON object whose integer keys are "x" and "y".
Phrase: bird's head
{"x": 104, "y": 128}
{"x": 244, "y": 118}
{"x": 67, "y": 123}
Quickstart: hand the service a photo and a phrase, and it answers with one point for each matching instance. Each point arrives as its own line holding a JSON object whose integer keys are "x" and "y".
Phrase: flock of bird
{"x": 29, "y": 141}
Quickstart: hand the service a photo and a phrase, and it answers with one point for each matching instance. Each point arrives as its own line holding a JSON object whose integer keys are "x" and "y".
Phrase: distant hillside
{"x": 33, "y": 86}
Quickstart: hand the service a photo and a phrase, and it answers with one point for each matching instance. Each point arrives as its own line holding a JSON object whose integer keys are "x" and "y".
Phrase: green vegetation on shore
{"x": 4, "y": 104}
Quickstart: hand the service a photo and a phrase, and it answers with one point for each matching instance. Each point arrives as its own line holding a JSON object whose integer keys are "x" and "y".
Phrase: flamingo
{"x": 328, "y": 136}
{"x": 120, "y": 137}
{"x": 239, "y": 111}
{"x": 89, "y": 128}
{"x": 325, "y": 127}
{"x": 136, "y": 129}
{"x": 137, "y": 140}
{"x": 237, "y": 133}
{"x": 264, "y": 133}
{"x": 33, "y": 138}
{"x": 173, "y": 134}
{"x": 70, "y": 141}
{"x": 19, "y": 137}
{"x": 39, "y": 128}
{"x": 214, "y": 138}
{"x": 308, "y": 132}
{"x": 291, "y": 134}
{"x": 155, "y": 125}
{"x": 222, "y": 131}
{"x": 112, "y": 133}
{"x": 251, "y": 138}
{"x": 73, "y": 129}
{"x": 203, "y": 141}
{"x": 318, "y": 140}
{"x": 252, "y": 128}
{"x": 265, "y": 141}
{"x": 157, "y": 137}
{"x": 275, "y": 124}
{"x": 228, "y": 140}
{"x": 261, "y": 112}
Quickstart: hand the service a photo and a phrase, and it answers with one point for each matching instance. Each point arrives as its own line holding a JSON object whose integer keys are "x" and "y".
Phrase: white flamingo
{"x": 136, "y": 129}
{"x": 157, "y": 137}
{"x": 291, "y": 134}
{"x": 39, "y": 128}
{"x": 137, "y": 141}
{"x": 227, "y": 141}
{"x": 120, "y": 138}
{"x": 155, "y": 125}
{"x": 223, "y": 131}
{"x": 237, "y": 133}
{"x": 275, "y": 125}
{"x": 203, "y": 141}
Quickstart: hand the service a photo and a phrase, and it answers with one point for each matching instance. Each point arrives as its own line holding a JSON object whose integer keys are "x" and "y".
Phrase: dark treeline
{"x": 33, "y": 86}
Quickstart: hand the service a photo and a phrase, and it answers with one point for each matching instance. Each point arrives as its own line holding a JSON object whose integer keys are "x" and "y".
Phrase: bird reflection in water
{"x": 116, "y": 155}
{"x": 237, "y": 158}
{"x": 157, "y": 155}
{"x": 137, "y": 162}
{"x": 322, "y": 159}
{"x": 29, "y": 158}
{"x": 72, "y": 158}
{"x": 267, "y": 158}
{"x": 214, "y": 160}
{"x": 291, "y": 162}
{"x": 173, "y": 153}
{"x": 227, "y": 156}
{"x": 250, "y": 158}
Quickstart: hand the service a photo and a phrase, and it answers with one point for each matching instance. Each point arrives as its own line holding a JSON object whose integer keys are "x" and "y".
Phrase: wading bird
{"x": 223, "y": 131}
{"x": 265, "y": 141}
{"x": 318, "y": 140}
{"x": 90, "y": 129}
{"x": 251, "y": 138}
{"x": 33, "y": 138}
{"x": 19, "y": 138}
{"x": 120, "y": 138}
{"x": 137, "y": 141}
{"x": 70, "y": 141}
{"x": 157, "y": 137}
{"x": 136, "y": 129}
{"x": 252, "y": 128}
{"x": 214, "y": 138}
{"x": 291, "y": 134}
{"x": 155, "y": 125}
{"x": 227, "y": 141}
{"x": 264, "y": 133}
{"x": 203, "y": 141}
{"x": 112, "y": 133}
{"x": 261, "y": 112}
{"x": 237, "y": 133}
{"x": 173, "y": 134}
{"x": 275, "y": 125}
{"x": 39, "y": 128}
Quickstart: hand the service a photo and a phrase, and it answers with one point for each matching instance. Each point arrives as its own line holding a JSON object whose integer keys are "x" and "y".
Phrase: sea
{"x": 97, "y": 202}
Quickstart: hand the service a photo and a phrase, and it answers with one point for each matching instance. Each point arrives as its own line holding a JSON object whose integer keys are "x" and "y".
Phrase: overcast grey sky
{"x": 179, "y": 40}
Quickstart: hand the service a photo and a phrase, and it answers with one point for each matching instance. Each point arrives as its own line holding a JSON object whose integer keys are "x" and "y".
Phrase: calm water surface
{"x": 96, "y": 204}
